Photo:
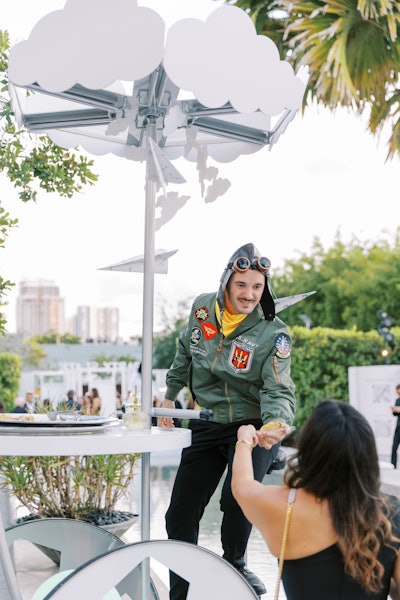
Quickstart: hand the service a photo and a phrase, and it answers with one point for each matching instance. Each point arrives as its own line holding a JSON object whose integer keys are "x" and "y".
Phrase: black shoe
{"x": 278, "y": 463}
{"x": 253, "y": 580}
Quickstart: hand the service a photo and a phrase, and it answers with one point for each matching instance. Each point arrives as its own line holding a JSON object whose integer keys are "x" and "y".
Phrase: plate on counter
{"x": 21, "y": 421}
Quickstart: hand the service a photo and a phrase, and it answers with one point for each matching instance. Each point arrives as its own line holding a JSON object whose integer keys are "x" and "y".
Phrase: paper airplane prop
{"x": 282, "y": 303}
{"x": 136, "y": 264}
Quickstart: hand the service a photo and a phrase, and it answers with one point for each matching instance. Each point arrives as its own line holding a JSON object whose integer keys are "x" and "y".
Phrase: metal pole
{"x": 7, "y": 563}
{"x": 147, "y": 346}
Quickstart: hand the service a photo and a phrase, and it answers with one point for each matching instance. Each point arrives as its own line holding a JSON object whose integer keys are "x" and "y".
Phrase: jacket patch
{"x": 209, "y": 330}
{"x": 282, "y": 345}
{"x": 201, "y": 314}
{"x": 196, "y": 336}
{"x": 240, "y": 357}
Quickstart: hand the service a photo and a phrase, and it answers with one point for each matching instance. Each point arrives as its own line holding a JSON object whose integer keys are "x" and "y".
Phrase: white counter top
{"x": 113, "y": 440}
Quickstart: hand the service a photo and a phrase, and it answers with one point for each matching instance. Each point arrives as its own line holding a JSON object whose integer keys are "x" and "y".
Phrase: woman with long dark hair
{"x": 343, "y": 541}
{"x": 92, "y": 402}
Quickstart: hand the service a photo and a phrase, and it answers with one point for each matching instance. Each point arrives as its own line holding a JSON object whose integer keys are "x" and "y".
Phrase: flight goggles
{"x": 242, "y": 264}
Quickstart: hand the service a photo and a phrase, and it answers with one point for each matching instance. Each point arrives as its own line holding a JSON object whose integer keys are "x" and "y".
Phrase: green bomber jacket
{"x": 245, "y": 375}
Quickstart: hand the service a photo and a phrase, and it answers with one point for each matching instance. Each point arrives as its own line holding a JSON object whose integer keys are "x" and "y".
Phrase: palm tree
{"x": 352, "y": 50}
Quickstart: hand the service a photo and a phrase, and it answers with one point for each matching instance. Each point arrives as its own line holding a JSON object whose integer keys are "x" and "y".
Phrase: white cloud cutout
{"x": 223, "y": 59}
{"x": 93, "y": 47}
{"x": 220, "y": 59}
{"x": 167, "y": 205}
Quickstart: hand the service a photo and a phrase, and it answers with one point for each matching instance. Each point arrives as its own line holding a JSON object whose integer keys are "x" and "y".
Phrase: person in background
{"x": 92, "y": 402}
{"x": 26, "y": 405}
{"x": 396, "y": 436}
{"x": 19, "y": 405}
{"x": 343, "y": 539}
{"x": 234, "y": 356}
{"x": 71, "y": 403}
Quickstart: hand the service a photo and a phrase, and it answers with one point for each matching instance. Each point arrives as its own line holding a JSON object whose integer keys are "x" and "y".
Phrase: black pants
{"x": 201, "y": 468}
{"x": 395, "y": 445}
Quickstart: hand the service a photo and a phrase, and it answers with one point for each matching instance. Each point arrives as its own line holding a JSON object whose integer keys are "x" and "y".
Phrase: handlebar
{"x": 183, "y": 413}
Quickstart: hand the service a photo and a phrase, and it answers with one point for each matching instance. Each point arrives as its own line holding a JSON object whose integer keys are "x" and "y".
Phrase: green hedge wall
{"x": 10, "y": 373}
{"x": 321, "y": 358}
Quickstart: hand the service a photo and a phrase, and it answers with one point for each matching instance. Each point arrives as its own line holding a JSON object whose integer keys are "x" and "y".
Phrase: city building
{"x": 40, "y": 308}
{"x": 93, "y": 323}
{"x": 108, "y": 323}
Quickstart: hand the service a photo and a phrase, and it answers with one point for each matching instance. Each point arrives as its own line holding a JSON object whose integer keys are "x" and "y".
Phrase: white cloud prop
{"x": 93, "y": 47}
{"x": 228, "y": 61}
{"x": 219, "y": 60}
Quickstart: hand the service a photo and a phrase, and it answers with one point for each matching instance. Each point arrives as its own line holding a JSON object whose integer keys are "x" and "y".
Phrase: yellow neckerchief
{"x": 229, "y": 320}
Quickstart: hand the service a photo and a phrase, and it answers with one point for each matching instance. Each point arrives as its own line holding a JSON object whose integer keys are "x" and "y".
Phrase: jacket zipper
{"x": 229, "y": 402}
{"x": 218, "y": 352}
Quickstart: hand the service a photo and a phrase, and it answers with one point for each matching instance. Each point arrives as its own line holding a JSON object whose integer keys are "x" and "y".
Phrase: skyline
{"x": 41, "y": 311}
{"x": 325, "y": 174}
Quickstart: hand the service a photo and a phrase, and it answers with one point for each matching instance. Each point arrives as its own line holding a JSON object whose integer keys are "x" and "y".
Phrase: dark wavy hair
{"x": 337, "y": 460}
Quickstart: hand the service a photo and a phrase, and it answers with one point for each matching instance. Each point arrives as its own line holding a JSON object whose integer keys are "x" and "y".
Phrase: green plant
{"x": 10, "y": 372}
{"x": 321, "y": 358}
{"x": 68, "y": 486}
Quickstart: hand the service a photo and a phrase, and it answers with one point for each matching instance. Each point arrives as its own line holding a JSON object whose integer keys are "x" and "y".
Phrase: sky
{"x": 325, "y": 175}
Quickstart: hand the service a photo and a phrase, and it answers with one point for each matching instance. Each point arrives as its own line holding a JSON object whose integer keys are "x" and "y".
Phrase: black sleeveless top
{"x": 321, "y": 576}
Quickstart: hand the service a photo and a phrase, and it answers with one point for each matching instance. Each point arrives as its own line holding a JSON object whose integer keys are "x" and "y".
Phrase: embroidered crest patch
{"x": 196, "y": 336}
{"x": 209, "y": 330}
{"x": 201, "y": 314}
{"x": 240, "y": 357}
{"x": 282, "y": 345}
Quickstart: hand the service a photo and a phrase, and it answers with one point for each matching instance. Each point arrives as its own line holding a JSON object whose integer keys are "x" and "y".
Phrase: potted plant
{"x": 77, "y": 487}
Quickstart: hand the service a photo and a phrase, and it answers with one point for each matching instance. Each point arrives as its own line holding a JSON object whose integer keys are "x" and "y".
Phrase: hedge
{"x": 10, "y": 373}
{"x": 321, "y": 358}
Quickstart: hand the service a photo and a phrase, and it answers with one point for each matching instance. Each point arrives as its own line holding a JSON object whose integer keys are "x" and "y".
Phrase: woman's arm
{"x": 246, "y": 490}
{"x": 260, "y": 508}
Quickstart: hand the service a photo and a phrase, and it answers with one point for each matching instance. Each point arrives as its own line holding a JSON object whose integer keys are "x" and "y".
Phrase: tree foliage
{"x": 10, "y": 372}
{"x": 29, "y": 351}
{"x": 165, "y": 344}
{"x": 6, "y": 223}
{"x": 352, "y": 49}
{"x": 52, "y": 337}
{"x": 166, "y": 341}
{"x": 351, "y": 281}
{"x": 31, "y": 163}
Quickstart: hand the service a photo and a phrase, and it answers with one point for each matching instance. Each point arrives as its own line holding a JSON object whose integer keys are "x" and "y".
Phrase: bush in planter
{"x": 76, "y": 487}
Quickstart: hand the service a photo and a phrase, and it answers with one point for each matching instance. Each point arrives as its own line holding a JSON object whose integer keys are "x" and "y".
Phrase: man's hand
{"x": 166, "y": 422}
{"x": 269, "y": 437}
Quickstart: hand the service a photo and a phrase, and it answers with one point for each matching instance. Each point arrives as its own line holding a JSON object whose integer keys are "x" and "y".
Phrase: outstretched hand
{"x": 265, "y": 438}
{"x": 269, "y": 437}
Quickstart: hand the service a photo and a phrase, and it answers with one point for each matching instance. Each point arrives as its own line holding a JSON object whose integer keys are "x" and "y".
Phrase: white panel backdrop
{"x": 372, "y": 391}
